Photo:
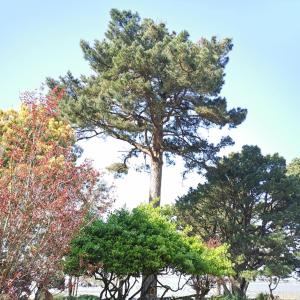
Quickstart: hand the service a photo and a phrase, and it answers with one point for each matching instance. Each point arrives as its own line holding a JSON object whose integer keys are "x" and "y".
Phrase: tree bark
{"x": 120, "y": 289}
{"x": 155, "y": 179}
{"x": 70, "y": 286}
{"x": 149, "y": 287}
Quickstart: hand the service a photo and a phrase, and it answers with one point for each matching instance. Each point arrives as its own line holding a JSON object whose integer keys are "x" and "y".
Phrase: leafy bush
{"x": 141, "y": 242}
{"x": 262, "y": 296}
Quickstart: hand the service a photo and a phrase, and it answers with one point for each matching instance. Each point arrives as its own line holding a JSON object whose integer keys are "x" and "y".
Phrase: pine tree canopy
{"x": 152, "y": 88}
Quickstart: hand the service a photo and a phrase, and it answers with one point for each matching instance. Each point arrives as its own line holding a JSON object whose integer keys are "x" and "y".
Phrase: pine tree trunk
{"x": 149, "y": 283}
{"x": 155, "y": 180}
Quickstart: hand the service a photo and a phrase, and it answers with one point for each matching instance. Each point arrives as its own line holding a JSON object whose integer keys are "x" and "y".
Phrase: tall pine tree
{"x": 155, "y": 90}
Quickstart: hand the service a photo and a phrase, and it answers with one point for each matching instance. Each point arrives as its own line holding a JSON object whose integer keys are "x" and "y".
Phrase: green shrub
{"x": 262, "y": 296}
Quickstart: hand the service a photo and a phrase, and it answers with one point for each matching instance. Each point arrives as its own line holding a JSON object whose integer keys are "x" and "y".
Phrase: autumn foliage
{"x": 44, "y": 194}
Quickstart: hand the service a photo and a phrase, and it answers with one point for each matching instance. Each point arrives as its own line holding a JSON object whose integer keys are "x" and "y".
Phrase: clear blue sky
{"x": 41, "y": 38}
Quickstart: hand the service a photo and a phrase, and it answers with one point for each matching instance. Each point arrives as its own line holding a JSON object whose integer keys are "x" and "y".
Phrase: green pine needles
{"x": 154, "y": 89}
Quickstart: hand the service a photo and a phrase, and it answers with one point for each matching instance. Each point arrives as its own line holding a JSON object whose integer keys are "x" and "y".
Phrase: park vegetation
{"x": 127, "y": 245}
{"x": 44, "y": 194}
{"x": 155, "y": 90}
{"x": 251, "y": 202}
{"x": 160, "y": 92}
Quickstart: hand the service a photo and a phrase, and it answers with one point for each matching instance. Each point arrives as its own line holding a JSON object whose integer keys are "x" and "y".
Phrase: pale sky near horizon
{"x": 41, "y": 38}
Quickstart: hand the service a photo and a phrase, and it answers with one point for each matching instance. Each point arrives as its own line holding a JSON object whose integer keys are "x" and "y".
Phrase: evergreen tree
{"x": 250, "y": 203}
{"x": 153, "y": 89}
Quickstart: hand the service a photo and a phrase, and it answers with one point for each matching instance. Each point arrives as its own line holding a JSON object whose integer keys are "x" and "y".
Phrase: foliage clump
{"x": 142, "y": 242}
{"x": 44, "y": 194}
{"x": 251, "y": 202}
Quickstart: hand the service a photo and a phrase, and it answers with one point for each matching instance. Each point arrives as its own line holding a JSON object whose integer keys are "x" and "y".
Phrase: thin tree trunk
{"x": 218, "y": 288}
{"x": 272, "y": 288}
{"x": 120, "y": 289}
{"x": 70, "y": 286}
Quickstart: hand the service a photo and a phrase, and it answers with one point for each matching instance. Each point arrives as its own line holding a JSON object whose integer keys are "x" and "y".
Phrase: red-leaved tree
{"x": 44, "y": 194}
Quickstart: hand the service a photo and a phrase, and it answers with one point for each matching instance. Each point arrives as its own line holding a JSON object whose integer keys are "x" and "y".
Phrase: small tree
{"x": 44, "y": 195}
{"x": 202, "y": 284}
{"x": 143, "y": 241}
{"x": 274, "y": 272}
{"x": 250, "y": 203}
